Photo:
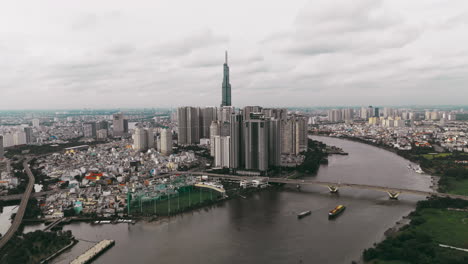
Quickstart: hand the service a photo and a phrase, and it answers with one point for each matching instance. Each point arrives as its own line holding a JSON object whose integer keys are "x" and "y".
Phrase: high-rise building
{"x": 207, "y": 115}
{"x": 89, "y": 130}
{"x": 101, "y": 134}
{"x": 274, "y": 142}
{"x": 364, "y": 113}
{"x": 29, "y": 135}
{"x": 222, "y": 151}
{"x": 236, "y": 147}
{"x": 294, "y": 135}
{"x": 2, "y": 152}
{"x": 19, "y": 138}
{"x": 224, "y": 113}
{"x": 36, "y": 123}
{"x": 255, "y": 133}
{"x": 140, "y": 139}
{"x": 189, "y": 125}
{"x": 347, "y": 114}
{"x": 8, "y": 140}
{"x": 246, "y": 111}
{"x": 120, "y": 125}
{"x": 276, "y": 113}
{"x": 214, "y": 131}
{"x": 150, "y": 138}
{"x": 166, "y": 141}
{"x": 335, "y": 115}
{"x": 226, "y": 88}
{"x": 102, "y": 125}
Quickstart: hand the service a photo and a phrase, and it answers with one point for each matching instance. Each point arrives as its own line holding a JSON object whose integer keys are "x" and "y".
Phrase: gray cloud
{"x": 157, "y": 54}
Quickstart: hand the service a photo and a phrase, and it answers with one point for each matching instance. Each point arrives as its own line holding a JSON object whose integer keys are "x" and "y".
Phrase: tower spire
{"x": 226, "y": 57}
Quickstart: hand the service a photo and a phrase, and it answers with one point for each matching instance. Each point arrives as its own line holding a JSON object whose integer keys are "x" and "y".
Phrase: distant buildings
{"x": 143, "y": 139}
{"x": 2, "y": 152}
{"x": 36, "y": 123}
{"x": 29, "y": 135}
{"x": 120, "y": 125}
{"x": 89, "y": 130}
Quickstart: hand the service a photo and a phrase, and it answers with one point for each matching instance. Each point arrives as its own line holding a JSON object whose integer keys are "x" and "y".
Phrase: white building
{"x": 221, "y": 145}
{"x": 166, "y": 141}
{"x": 35, "y": 123}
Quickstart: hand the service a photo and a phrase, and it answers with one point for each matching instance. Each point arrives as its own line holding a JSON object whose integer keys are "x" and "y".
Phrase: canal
{"x": 263, "y": 228}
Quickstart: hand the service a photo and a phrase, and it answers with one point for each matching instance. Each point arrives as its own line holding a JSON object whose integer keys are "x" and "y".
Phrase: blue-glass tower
{"x": 226, "y": 88}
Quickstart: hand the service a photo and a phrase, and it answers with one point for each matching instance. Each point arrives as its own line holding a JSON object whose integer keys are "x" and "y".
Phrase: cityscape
{"x": 284, "y": 165}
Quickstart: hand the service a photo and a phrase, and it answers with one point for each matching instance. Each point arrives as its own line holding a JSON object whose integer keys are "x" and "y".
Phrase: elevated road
{"x": 22, "y": 207}
{"x": 327, "y": 184}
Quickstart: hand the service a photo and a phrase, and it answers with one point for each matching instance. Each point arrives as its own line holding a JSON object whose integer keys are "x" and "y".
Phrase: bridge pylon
{"x": 393, "y": 195}
{"x": 333, "y": 188}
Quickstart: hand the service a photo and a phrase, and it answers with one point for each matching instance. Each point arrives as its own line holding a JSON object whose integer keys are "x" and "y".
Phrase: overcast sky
{"x": 109, "y": 53}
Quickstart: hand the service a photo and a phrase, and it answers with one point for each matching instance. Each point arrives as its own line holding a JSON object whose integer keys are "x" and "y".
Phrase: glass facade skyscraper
{"x": 226, "y": 88}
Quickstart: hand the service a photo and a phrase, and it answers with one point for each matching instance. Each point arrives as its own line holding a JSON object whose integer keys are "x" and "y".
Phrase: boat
{"x": 303, "y": 214}
{"x": 336, "y": 211}
{"x": 418, "y": 169}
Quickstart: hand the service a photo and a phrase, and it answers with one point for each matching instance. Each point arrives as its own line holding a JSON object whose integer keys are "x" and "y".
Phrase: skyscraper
{"x": 120, "y": 125}
{"x": 89, "y": 130}
{"x": 166, "y": 141}
{"x": 189, "y": 125}
{"x": 255, "y": 132}
{"x": 140, "y": 142}
{"x": 222, "y": 151}
{"x": 29, "y": 135}
{"x": 236, "y": 141}
{"x": 226, "y": 88}
{"x": 214, "y": 131}
{"x": 207, "y": 115}
{"x": 294, "y": 136}
{"x": 274, "y": 142}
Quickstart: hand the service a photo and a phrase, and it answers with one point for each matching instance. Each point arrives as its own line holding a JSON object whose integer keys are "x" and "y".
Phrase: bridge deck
{"x": 326, "y": 184}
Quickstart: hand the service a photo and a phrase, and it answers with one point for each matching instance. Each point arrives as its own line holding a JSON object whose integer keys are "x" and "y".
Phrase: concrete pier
{"x": 93, "y": 252}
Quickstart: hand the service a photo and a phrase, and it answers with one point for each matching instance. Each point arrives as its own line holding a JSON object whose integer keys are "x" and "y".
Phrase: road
{"x": 22, "y": 207}
{"x": 326, "y": 184}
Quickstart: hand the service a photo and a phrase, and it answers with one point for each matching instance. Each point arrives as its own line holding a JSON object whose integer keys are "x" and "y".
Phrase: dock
{"x": 94, "y": 252}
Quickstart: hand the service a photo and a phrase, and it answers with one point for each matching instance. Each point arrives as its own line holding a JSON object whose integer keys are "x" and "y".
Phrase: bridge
{"x": 55, "y": 223}
{"x": 392, "y": 191}
{"x": 22, "y": 207}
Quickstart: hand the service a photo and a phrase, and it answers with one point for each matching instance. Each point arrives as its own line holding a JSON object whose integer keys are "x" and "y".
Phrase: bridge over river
{"x": 387, "y": 189}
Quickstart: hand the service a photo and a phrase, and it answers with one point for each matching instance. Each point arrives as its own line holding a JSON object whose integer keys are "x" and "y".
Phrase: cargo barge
{"x": 303, "y": 214}
{"x": 336, "y": 211}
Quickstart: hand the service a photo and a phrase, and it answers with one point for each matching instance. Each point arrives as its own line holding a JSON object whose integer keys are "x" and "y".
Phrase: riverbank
{"x": 431, "y": 224}
{"x": 435, "y": 179}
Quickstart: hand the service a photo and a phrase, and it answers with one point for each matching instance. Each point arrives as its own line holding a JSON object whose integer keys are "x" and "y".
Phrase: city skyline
{"x": 300, "y": 53}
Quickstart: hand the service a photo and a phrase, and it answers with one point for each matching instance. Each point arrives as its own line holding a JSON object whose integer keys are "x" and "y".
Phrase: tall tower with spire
{"x": 226, "y": 88}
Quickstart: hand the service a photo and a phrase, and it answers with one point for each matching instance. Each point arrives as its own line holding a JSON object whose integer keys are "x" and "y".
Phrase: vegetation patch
{"x": 435, "y": 221}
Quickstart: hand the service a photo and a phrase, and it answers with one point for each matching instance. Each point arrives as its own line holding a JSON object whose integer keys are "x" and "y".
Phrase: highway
{"x": 22, "y": 207}
{"x": 326, "y": 184}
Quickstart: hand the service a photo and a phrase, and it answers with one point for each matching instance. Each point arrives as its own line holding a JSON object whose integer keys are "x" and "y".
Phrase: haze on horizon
{"x": 112, "y": 54}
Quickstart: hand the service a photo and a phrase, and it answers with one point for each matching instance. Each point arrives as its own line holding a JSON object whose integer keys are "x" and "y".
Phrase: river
{"x": 263, "y": 228}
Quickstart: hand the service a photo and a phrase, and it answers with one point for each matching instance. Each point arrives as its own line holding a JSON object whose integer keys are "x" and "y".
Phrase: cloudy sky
{"x": 110, "y": 53}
